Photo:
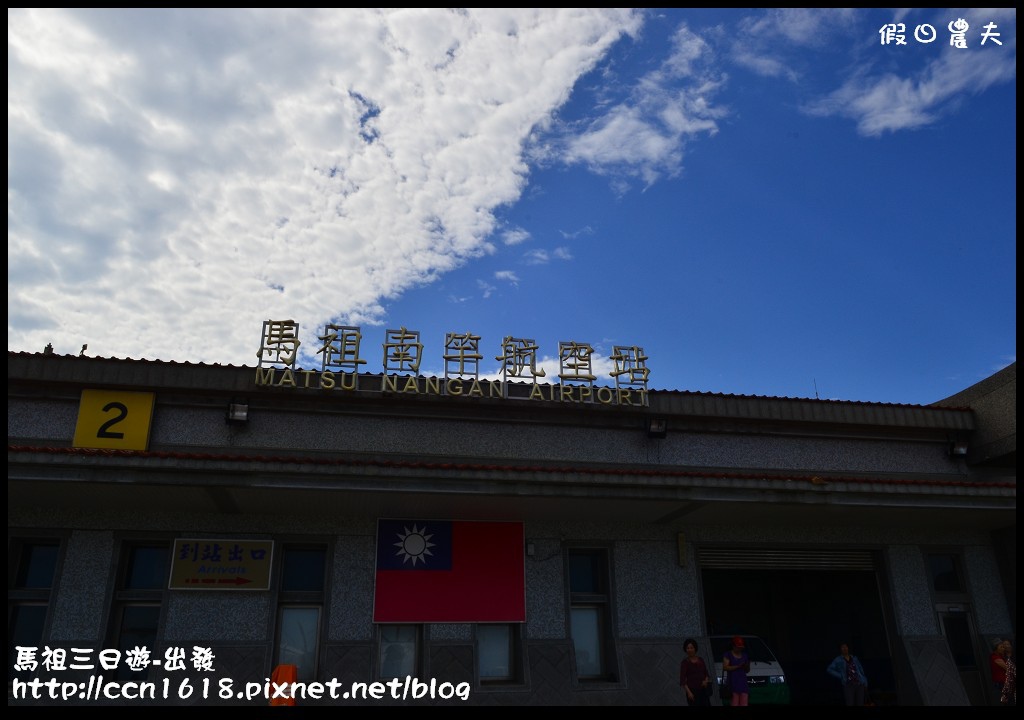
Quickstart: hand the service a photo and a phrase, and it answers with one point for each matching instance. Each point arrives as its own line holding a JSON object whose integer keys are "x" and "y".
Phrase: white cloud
{"x": 644, "y": 137}
{"x": 764, "y": 42}
{"x": 543, "y": 257}
{"x": 881, "y": 103}
{"x": 762, "y": 64}
{"x": 600, "y": 366}
{"x": 486, "y": 289}
{"x": 506, "y": 276}
{"x": 578, "y": 233}
{"x": 177, "y": 176}
{"x": 515, "y": 237}
{"x": 808, "y": 27}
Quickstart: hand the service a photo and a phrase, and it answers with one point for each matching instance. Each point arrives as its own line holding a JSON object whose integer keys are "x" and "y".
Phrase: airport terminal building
{"x": 512, "y": 541}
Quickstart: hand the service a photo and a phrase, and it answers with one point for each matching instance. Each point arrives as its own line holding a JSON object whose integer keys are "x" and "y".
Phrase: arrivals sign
{"x": 211, "y": 564}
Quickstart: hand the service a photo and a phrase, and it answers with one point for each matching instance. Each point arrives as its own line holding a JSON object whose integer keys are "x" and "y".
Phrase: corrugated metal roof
{"x": 810, "y": 411}
{"x": 190, "y": 377}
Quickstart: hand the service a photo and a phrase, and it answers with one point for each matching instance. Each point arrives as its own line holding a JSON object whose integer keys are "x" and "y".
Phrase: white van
{"x": 766, "y": 678}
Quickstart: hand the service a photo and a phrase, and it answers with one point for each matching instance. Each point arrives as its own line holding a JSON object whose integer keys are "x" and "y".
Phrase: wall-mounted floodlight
{"x": 657, "y": 427}
{"x": 958, "y": 449}
{"x": 238, "y": 412}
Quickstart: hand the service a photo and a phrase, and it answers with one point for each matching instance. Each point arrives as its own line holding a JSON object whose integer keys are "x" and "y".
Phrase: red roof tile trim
{"x": 476, "y": 467}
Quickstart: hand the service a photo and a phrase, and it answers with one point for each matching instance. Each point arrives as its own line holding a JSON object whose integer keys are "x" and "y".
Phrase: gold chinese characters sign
{"x": 340, "y": 360}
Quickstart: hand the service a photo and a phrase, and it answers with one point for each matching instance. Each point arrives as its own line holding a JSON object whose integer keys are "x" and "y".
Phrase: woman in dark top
{"x": 693, "y": 675}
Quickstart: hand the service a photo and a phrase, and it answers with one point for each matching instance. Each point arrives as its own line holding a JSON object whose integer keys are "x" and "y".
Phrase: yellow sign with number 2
{"x": 112, "y": 419}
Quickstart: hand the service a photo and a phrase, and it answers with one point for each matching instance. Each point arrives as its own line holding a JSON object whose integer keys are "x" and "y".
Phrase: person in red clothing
{"x": 693, "y": 676}
{"x": 997, "y": 663}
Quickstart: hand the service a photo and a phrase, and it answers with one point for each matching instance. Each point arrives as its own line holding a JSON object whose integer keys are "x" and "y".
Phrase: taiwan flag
{"x": 432, "y": 571}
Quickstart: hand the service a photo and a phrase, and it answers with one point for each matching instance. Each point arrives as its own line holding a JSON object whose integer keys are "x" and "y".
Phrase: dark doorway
{"x": 804, "y": 615}
{"x": 959, "y": 633}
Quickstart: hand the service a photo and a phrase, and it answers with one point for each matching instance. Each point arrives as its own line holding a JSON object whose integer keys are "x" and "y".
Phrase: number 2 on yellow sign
{"x": 112, "y": 419}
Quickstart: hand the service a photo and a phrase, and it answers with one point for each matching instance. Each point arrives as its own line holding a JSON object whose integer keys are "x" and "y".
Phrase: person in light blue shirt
{"x": 850, "y": 673}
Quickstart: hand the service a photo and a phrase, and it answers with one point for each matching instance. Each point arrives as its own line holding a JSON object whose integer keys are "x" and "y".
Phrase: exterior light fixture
{"x": 657, "y": 427}
{"x": 958, "y": 449}
{"x": 238, "y": 412}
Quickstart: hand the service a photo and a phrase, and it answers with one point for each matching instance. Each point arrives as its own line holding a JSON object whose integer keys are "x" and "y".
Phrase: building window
{"x": 590, "y": 613}
{"x": 399, "y": 651}
{"x": 31, "y": 572}
{"x": 499, "y": 654}
{"x": 300, "y": 605}
{"x": 945, "y": 573}
{"x": 139, "y": 593}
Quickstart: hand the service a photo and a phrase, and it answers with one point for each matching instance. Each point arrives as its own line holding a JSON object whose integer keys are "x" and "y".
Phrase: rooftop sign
{"x": 341, "y": 362}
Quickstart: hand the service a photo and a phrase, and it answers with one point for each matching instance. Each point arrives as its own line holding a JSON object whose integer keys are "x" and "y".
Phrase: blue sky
{"x": 768, "y": 202}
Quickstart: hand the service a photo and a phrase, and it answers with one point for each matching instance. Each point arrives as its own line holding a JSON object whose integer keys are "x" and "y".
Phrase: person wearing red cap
{"x": 736, "y": 662}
